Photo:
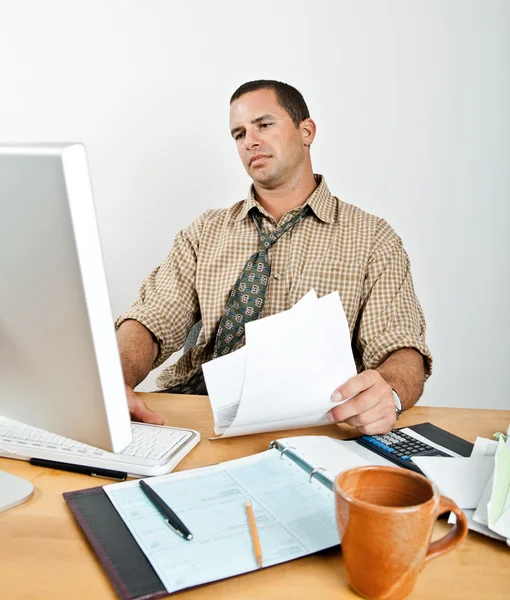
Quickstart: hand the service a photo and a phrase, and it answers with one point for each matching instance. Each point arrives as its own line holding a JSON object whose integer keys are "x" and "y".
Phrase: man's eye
{"x": 238, "y": 136}
{"x": 265, "y": 124}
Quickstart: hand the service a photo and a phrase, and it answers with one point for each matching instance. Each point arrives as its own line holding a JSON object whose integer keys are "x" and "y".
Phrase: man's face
{"x": 270, "y": 145}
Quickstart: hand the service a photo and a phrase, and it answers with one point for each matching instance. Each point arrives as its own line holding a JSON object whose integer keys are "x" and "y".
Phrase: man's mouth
{"x": 257, "y": 159}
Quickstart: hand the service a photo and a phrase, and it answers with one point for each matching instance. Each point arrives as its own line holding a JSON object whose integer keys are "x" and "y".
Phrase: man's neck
{"x": 280, "y": 200}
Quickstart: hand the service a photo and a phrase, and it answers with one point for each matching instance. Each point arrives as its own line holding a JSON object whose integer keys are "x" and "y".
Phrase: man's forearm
{"x": 404, "y": 371}
{"x": 137, "y": 350}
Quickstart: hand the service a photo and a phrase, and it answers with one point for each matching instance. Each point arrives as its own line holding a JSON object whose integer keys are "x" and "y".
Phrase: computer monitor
{"x": 59, "y": 363}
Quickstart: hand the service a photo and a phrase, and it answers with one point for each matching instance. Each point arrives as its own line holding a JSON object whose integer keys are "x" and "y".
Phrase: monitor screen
{"x": 59, "y": 363}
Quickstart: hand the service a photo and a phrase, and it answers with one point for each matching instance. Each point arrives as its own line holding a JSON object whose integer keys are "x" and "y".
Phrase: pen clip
{"x": 178, "y": 531}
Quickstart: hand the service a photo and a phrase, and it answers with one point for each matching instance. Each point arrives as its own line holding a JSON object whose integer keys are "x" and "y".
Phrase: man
{"x": 263, "y": 254}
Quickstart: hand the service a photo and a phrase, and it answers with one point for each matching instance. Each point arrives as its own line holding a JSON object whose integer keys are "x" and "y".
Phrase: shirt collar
{"x": 322, "y": 202}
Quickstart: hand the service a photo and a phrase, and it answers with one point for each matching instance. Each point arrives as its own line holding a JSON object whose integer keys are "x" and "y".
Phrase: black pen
{"x": 92, "y": 471}
{"x": 172, "y": 520}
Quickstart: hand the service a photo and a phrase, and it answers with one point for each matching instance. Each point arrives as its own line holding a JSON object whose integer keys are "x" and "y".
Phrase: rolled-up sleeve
{"x": 391, "y": 317}
{"x": 167, "y": 303}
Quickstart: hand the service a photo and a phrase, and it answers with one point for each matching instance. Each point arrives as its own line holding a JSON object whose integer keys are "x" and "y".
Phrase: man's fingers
{"x": 384, "y": 425}
{"x": 139, "y": 411}
{"x": 359, "y": 383}
{"x": 367, "y": 418}
{"x": 148, "y": 416}
{"x": 355, "y": 406}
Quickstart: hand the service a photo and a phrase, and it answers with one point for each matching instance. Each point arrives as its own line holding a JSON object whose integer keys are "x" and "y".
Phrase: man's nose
{"x": 251, "y": 139}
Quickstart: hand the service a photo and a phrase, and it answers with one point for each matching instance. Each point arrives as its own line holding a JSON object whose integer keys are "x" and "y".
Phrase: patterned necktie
{"x": 245, "y": 302}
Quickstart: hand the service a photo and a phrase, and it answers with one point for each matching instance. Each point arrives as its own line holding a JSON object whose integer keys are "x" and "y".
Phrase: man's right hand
{"x": 139, "y": 411}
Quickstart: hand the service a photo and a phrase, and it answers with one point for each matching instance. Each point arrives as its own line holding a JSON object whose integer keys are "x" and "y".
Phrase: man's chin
{"x": 264, "y": 178}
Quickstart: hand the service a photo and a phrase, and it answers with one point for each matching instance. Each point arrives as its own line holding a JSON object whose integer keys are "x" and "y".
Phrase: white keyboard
{"x": 151, "y": 445}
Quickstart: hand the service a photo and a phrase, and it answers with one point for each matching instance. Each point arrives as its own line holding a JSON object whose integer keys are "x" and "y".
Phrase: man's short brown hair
{"x": 288, "y": 97}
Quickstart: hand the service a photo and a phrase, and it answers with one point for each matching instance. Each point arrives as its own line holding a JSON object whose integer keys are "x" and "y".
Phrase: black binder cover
{"x": 125, "y": 564}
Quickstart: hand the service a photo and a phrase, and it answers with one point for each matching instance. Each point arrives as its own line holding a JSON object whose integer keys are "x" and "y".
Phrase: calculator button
{"x": 385, "y": 448}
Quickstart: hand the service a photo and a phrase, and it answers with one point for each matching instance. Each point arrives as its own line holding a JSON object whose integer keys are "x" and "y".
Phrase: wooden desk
{"x": 43, "y": 553}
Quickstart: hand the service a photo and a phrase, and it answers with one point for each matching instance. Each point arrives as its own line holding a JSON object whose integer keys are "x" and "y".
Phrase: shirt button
{"x": 277, "y": 276}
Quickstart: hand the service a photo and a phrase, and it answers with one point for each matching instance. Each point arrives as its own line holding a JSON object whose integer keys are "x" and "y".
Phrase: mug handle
{"x": 455, "y": 536}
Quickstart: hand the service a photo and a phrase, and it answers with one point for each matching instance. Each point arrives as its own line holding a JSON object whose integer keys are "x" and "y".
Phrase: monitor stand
{"x": 13, "y": 491}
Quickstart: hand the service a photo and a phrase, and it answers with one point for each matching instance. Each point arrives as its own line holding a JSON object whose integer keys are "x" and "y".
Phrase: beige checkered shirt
{"x": 338, "y": 247}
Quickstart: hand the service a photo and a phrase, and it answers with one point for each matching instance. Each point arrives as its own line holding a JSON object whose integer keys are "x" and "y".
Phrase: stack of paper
{"x": 284, "y": 376}
{"x": 480, "y": 485}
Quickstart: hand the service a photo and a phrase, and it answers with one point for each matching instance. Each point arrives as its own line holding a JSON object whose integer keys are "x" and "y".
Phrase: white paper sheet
{"x": 492, "y": 514}
{"x": 225, "y": 377}
{"x": 461, "y": 479}
{"x": 292, "y": 363}
{"x": 484, "y": 447}
{"x": 476, "y": 526}
{"x": 481, "y": 514}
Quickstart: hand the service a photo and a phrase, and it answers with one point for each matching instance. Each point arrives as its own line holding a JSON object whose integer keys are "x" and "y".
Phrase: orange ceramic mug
{"x": 385, "y": 517}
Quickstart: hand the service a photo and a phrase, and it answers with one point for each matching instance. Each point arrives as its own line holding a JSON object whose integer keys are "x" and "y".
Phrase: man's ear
{"x": 308, "y": 130}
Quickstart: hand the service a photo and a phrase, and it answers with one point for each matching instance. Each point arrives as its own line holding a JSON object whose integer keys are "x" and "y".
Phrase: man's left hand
{"x": 372, "y": 410}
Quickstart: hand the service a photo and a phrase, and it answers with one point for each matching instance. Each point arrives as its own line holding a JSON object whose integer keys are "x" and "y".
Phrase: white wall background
{"x": 412, "y": 102}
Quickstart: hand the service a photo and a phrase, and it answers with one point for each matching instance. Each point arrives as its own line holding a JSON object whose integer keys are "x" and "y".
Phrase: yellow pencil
{"x": 254, "y": 533}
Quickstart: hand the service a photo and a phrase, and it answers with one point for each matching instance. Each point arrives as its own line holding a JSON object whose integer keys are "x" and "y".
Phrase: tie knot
{"x": 268, "y": 239}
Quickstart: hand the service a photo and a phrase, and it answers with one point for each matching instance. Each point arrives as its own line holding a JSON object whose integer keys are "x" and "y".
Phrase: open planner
{"x": 291, "y": 489}
{"x": 290, "y": 486}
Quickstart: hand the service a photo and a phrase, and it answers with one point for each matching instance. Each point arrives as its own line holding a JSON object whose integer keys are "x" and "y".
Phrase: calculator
{"x": 400, "y": 447}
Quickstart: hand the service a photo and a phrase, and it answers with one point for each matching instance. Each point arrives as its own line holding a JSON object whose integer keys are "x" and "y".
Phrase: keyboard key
{"x": 157, "y": 453}
{"x": 162, "y": 449}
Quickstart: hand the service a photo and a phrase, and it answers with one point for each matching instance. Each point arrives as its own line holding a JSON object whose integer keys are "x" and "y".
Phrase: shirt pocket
{"x": 325, "y": 277}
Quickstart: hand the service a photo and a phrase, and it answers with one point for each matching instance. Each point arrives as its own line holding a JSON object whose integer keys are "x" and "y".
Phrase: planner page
{"x": 294, "y": 517}
{"x": 329, "y": 455}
